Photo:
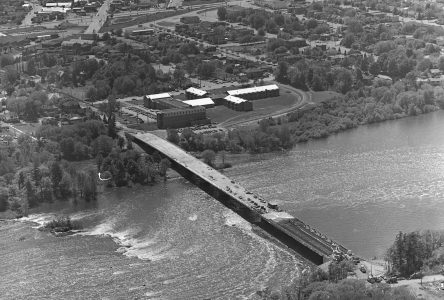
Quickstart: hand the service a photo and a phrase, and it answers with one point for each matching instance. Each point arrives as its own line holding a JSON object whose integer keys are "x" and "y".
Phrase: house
{"x": 296, "y": 42}
{"x": 384, "y": 78}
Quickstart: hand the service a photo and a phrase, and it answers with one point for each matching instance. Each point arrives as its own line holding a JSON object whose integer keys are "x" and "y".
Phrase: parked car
{"x": 391, "y": 280}
{"x": 363, "y": 269}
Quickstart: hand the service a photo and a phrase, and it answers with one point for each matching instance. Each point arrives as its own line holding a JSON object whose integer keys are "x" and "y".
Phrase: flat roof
{"x": 158, "y": 96}
{"x": 255, "y": 89}
{"x": 59, "y": 4}
{"x": 195, "y": 91}
{"x": 198, "y": 102}
{"x": 235, "y": 99}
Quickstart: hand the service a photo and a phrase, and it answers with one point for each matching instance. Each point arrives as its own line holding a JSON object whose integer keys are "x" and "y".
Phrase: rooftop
{"x": 255, "y": 89}
{"x": 235, "y": 99}
{"x": 158, "y": 96}
{"x": 195, "y": 91}
{"x": 199, "y": 102}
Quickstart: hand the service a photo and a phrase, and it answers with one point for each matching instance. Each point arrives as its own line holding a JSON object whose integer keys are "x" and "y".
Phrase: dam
{"x": 287, "y": 229}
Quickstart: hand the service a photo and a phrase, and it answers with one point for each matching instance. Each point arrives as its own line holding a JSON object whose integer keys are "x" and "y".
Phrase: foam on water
{"x": 145, "y": 248}
{"x": 40, "y": 219}
{"x": 192, "y": 217}
{"x": 233, "y": 219}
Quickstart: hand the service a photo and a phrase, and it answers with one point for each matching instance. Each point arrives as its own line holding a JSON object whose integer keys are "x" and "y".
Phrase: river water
{"x": 172, "y": 241}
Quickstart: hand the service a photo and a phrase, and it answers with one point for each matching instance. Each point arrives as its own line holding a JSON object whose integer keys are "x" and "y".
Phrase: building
{"x": 238, "y": 104}
{"x": 180, "y": 117}
{"x": 273, "y": 4}
{"x": 296, "y": 42}
{"x": 384, "y": 78}
{"x": 258, "y": 92}
{"x": 205, "y": 102}
{"x": 145, "y": 31}
{"x": 193, "y": 93}
{"x": 72, "y": 42}
{"x": 162, "y": 101}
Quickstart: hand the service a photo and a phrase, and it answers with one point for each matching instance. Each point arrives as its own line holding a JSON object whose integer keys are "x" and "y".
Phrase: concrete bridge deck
{"x": 291, "y": 231}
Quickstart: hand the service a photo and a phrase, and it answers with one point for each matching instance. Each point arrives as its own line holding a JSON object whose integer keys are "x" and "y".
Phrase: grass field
{"x": 318, "y": 97}
{"x": 261, "y": 108}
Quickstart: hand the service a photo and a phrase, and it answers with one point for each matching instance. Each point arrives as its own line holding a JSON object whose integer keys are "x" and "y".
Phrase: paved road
{"x": 35, "y": 8}
{"x": 99, "y": 19}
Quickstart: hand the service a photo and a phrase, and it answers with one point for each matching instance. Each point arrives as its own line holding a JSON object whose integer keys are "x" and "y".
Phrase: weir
{"x": 289, "y": 230}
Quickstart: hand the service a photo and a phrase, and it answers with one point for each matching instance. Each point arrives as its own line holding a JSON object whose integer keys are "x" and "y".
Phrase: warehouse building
{"x": 238, "y": 104}
{"x": 162, "y": 101}
{"x": 182, "y": 117}
{"x": 193, "y": 93}
{"x": 205, "y": 102}
{"x": 257, "y": 92}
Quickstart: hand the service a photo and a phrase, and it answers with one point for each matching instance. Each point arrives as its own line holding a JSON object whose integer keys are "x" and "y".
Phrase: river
{"x": 172, "y": 241}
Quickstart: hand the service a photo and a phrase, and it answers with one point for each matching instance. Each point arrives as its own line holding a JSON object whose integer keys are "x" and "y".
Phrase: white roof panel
{"x": 195, "y": 91}
{"x": 235, "y": 99}
{"x": 255, "y": 89}
{"x": 197, "y": 102}
{"x": 159, "y": 96}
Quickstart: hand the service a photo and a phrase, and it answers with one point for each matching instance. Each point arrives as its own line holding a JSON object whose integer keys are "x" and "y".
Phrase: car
{"x": 363, "y": 269}
{"x": 391, "y": 280}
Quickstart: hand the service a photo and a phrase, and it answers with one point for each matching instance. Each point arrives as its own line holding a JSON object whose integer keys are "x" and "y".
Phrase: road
{"x": 31, "y": 14}
{"x": 99, "y": 19}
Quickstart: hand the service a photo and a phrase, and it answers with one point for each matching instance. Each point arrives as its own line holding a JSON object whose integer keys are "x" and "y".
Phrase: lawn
{"x": 318, "y": 97}
{"x": 261, "y": 108}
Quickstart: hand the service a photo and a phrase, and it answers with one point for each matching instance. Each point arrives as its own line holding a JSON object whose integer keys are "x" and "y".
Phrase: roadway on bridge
{"x": 99, "y": 19}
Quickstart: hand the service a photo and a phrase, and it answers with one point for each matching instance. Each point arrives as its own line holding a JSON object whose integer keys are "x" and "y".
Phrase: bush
{"x": 61, "y": 224}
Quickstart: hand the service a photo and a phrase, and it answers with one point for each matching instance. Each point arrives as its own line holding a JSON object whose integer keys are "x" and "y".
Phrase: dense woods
{"x": 413, "y": 252}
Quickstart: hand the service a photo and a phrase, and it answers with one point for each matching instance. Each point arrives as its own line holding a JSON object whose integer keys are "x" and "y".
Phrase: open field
{"x": 318, "y": 97}
{"x": 261, "y": 108}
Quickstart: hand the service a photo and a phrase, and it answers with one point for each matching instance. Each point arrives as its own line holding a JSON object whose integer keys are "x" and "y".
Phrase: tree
{"x": 30, "y": 68}
{"x": 112, "y": 126}
{"x": 206, "y": 69}
{"x": 164, "y": 165}
{"x": 208, "y": 157}
{"x": 67, "y": 148}
{"x": 281, "y": 72}
{"x": 21, "y": 180}
{"x": 56, "y": 175}
{"x": 6, "y": 60}
{"x": 374, "y": 69}
{"x": 348, "y": 40}
{"x": 4, "y": 195}
{"x": 173, "y": 136}
{"x": 30, "y": 194}
{"x": 222, "y": 13}
{"x": 261, "y": 32}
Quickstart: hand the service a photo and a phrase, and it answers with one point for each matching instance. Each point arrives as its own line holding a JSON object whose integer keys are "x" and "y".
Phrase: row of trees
{"x": 262, "y": 139}
{"x": 315, "y": 284}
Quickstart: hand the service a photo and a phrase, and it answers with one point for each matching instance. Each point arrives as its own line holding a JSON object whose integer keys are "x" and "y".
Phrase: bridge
{"x": 289, "y": 230}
